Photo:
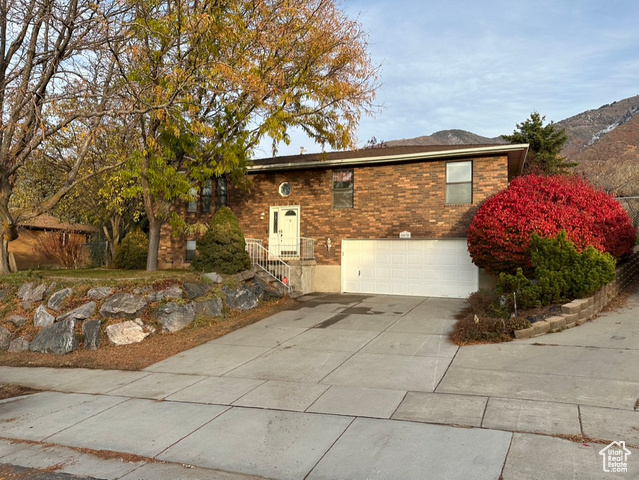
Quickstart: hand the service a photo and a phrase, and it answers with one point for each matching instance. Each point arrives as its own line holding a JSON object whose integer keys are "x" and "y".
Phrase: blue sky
{"x": 485, "y": 65}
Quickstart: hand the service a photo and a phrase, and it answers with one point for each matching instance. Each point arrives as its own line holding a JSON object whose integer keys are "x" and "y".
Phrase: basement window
{"x": 343, "y": 188}
{"x": 190, "y": 250}
{"x": 459, "y": 182}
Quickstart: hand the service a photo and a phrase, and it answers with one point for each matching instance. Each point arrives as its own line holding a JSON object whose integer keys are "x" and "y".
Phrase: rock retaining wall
{"x": 583, "y": 309}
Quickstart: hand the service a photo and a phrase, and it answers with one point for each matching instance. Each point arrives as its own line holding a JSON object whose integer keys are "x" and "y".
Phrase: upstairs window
{"x": 459, "y": 182}
{"x": 207, "y": 196}
{"x": 191, "y": 207}
{"x": 343, "y": 188}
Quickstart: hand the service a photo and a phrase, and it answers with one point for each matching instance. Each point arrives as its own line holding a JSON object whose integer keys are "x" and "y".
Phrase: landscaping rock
{"x": 264, "y": 291}
{"x": 58, "y": 338}
{"x": 50, "y": 289}
{"x": 126, "y": 333}
{"x": 174, "y": 317}
{"x": 24, "y": 289}
{"x": 142, "y": 290}
{"x": 3, "y": 294}
{"x": 241, "y": 299}
{"x": 209, "y": 308}
{"x": 214, "y": 277}
{"x": 99, "y": 293}
{"x": 91, "y": 332}
{"x": 42, "y": 318}
{"x": 30, "y": 294}
{"x": 18, "y": 320}
{"x": 18, "y": 345}
{"x": 55, "y": 301}
{"x": 5, "y": 338}
{"x": 81, "y": 313}
{"x": 195, "y": 290}
{"x": 173, "y": 292}
{"x": 123, "y": 305}
{"x": 245, "y": 275}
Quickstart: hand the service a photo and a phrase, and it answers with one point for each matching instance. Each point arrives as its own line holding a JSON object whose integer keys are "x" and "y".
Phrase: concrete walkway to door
{"x": 342, "y": 387}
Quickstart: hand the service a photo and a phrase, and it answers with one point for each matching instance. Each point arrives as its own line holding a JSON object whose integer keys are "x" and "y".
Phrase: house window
{"x": 343, "y": 188}
{"x": 190, "y": 250}
{"x": 459, "y": 182}
{"x": 191, "y": 206}
{"x": 207, "y": 196}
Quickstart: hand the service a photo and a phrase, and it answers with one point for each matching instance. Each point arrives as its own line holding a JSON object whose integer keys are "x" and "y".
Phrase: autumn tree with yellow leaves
{"x": 214, "y": 78}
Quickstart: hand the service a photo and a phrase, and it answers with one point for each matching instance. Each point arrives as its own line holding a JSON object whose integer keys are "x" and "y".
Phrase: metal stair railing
{"x": 266, "y": 261}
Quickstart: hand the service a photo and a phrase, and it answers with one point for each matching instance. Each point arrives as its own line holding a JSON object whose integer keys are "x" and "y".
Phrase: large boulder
{"x": 241, "y": 298}
{"x": 29, "y": 294}
{"x": 174, "y": 317}
{"x": 5, "y": 338}
{"x": 55, "y": 301}
{"x": 18, "y": 345}
{"x": 123, "y": 305}
{"x": 91, "y": 332}
{"x": 214, "y": 277}
{"x": 58, "y": 338}
{"x": 42, "y": 318}
{"x": 244, "y": 276}
{"x": 195, "y": 290}
{"x": 18, "y": 320}
{"x": 81, "y": 313}
{"x": 265, "y": 291}
{"x": 172, "y": 293}
{"x": 208, "y": 308}
{"x": 99, "y": 293}
{"x": 128, "y": 332}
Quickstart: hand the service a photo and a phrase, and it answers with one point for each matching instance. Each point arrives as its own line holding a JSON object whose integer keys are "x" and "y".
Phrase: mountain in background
{"x": 446, "y": 137}
{"x": 587, "y": 128}
{"x": 584, "y": 130}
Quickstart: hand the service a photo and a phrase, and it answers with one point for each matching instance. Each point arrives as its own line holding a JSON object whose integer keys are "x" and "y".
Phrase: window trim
{"x": 469, "y": 182}
{"x": 350, "y": 189}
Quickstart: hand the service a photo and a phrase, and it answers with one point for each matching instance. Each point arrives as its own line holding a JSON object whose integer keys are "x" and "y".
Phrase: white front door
{"x": 284, "y": 231}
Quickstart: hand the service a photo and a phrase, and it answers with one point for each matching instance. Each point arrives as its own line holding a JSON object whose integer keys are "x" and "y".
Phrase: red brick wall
{"x": 387, "y": 200}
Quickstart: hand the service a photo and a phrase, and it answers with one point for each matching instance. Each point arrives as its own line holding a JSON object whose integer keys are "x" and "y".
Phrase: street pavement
{"x": 342, "y": 387}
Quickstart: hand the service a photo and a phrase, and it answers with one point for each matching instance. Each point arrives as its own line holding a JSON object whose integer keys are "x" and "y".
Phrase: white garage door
{"x": 437, "y": 268}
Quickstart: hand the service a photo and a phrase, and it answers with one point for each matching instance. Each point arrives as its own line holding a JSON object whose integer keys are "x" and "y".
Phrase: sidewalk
{"x": 345, "y": 387}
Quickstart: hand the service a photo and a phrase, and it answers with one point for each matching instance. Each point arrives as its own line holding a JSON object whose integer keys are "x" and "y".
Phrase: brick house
{"x": 387, "y": 220}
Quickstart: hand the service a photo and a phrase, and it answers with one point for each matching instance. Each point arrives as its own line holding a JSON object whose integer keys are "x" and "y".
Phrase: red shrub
{"x": 499, "y": 235}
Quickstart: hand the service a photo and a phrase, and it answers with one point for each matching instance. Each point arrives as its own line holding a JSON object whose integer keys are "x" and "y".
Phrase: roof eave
{"x": 516, "y": 158}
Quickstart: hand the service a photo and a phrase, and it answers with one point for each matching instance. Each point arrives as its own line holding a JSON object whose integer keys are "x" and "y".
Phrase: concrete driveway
{"x": 346, "y": 387}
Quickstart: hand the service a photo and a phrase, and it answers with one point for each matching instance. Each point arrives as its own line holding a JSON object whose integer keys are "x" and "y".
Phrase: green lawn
{"x": 100, "y": 275}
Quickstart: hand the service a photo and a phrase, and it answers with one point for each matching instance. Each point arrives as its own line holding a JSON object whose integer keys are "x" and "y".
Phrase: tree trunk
{"x": 4, "y": 257}
{"x": 8, "y": 231}
{"x": 155, "y": 226}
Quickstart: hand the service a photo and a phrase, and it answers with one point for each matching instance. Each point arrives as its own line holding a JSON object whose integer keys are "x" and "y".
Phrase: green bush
{"x": 222, "y": 249}
{"x": 133, "y": 251}
{"x": 526, "y": 292}
{"x": 560, "y": 273}
{"x": 564, "y": 273}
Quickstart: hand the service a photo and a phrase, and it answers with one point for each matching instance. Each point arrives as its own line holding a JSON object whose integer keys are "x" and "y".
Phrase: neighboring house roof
{"x": 49, "y": 222}
{"x": 386, "y": 155}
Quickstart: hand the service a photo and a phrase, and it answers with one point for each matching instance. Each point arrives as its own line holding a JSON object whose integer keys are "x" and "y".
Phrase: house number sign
{"x": 404, "y": 234}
